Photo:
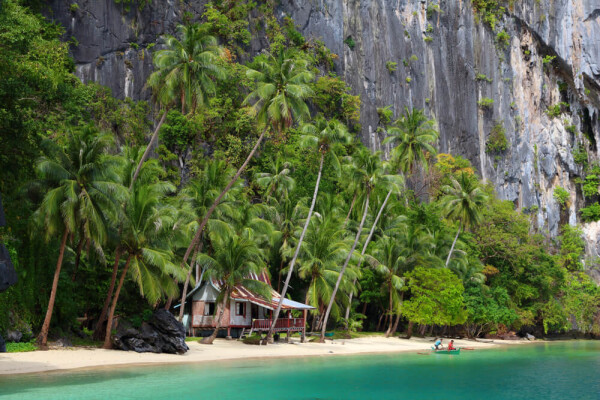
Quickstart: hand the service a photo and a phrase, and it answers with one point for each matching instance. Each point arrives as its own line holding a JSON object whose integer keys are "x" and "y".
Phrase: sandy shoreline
{"x": 72, "y": 358}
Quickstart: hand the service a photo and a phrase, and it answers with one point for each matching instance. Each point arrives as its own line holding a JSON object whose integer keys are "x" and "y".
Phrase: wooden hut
{"x": 246, "y": 312}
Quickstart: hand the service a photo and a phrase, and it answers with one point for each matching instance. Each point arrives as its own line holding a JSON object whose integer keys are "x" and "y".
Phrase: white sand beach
{"x": 70, "y": 358}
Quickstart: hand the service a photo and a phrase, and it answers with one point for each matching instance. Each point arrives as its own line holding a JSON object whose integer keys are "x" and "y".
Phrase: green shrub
{"x": 497, "y": 140}
{"x": 591, "y": 213}
{"x": 74, "y": 7}
{"x": 503, "y": 39}
{"x": 590, "y": 185}
{"x": 428, "y": 39}
{"x": 561, "y": 195}
{"x": 571, "y": 129}
{"x": 391, "y": 66}
{"x": 557, "y": 109}
{"x": 580, "y": 155}
{"x": 20, "y": 347}
{"x": 385, "y": 114}
{"x": 548, "y": 59}
{"x": 429, "y": 28}
{"x": 253, "y": 340}
{"x": 350, "y": 42}
{"x": 485, "y": 102}
{"x": 483, "y": 77}
{"x": 408, "y": 79}
{"x": 414, "y": 58}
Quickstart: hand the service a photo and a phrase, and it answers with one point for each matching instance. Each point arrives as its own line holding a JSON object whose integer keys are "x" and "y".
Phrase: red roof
{"x": 241, "y": 293}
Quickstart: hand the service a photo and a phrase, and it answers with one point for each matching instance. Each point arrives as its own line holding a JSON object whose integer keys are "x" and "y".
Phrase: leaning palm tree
{"x": 128, "y": 159}
{"x": 83, "y": 196}
{"x": 201, "y": 193}
{"x": 323, "y": 251}
{"x": 186, "y": 71}
{"x": 370, "y": 168}
{"x": 147, "y": 229}
{"x": 279, "y": 98}
{"x": 234, "y": 261}
{"x": 463, "y": 201}
{"x": 388, "y": 260}
{"x": 324, "y": 136}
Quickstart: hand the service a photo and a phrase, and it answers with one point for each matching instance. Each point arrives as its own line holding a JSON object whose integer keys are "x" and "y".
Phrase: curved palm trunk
{"x": 389, "y": 330}
{"x": 351, "y": 207}
{"x": 364, "y": 249}
{"x": 453, "y": 244}
{"x": 42, "y": 339}
{"x": 113, "y": 307}
{"x": 218, "y": 199}
{"x": 99, "y": 331}
{"x": 297, "y": 251}
{"x": 339, "y": 280}
{"x": 397, "y": 316}
{"x": 148, "y": 148}
{"x": 77, "y": 258}
{"x": 210, "y": 339}
{"x": 187, "y": 282}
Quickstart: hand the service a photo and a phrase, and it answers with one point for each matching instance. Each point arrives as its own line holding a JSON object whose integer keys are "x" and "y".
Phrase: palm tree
{"x": 201, "y": 193}
{"x": 323, "y": 250}
{"x": 280, "y": 97}
{"x": 233, "y": 262}
{"x": 323, "y": 135}
{"x": 147, "y": 229}
{"x": 370, "y": 168}
{"x": 127, "y": 160}
{"x": 278, "y": 179}
{"x": 388, "y": 259}
{"x": 414, "y": 136}
{"x": 83, "y": 197}
{"x": 463, "y": 201}
{"x": 186, "y": 71}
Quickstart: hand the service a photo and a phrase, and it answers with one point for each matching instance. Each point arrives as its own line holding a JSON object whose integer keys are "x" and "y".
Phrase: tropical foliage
{"x": 257, "y": 169}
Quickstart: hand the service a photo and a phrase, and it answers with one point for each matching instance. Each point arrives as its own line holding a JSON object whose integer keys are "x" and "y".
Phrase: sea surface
{"x": 559, "y": 370}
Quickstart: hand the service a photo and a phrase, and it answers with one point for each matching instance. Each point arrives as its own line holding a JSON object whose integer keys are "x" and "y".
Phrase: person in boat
{"x": 438, "y": 344}
{"x": 451, "y": 345}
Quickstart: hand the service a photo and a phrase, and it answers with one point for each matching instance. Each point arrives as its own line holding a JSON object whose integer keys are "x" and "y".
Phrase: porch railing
{"x": 282, "y": 324}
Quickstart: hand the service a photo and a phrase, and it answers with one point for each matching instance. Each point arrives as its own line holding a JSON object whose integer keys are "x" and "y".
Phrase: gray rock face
{"x": 162, "y": 334}
{"x": 447, "y": 61}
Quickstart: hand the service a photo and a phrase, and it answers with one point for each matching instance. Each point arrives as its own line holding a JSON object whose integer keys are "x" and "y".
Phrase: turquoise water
{"x": 564, "y": 370}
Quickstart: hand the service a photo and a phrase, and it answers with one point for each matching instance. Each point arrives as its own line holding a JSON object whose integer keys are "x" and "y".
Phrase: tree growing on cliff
{"x": 186, "y": 71}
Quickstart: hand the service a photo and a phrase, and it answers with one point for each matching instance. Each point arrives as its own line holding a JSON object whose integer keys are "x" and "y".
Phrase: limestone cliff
{"x": 539, "y": 84}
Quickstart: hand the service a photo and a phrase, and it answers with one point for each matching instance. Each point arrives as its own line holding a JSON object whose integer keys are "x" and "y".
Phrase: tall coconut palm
{"x": 234, "y": 261}
{"x": 323, "y": 251}
{"x": 388, "y": 259}
{"x": 414, "y": 136}
{"x": 147, "y": 230}
{"x": 185, "y": 71}
{"x": 279, "y": 98}
{"x": 127, "y": 160}
{"x": 277, "y": 180}
{"x": 83, "y": 196}
{"x": 370, "y": 168}
{"x": 463, "y": 201}
{"x": 323, "y": 136}
{"x": 201, "y": 193}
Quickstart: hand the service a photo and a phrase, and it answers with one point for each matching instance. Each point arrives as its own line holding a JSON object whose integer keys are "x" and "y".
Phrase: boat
{"x": 445, "y": 351}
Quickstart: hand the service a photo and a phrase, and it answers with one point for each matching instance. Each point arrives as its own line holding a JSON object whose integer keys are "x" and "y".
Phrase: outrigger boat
{"x": 445, "y": 351}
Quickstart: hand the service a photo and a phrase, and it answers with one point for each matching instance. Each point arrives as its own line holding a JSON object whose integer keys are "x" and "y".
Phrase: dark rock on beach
{"x": 162, "y": 334}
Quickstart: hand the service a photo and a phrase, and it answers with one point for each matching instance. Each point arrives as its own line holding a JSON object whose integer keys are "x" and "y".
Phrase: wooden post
{"x": 303, "y": 338}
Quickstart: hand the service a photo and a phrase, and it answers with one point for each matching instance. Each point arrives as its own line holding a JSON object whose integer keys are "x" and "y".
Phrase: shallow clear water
{"x": 564, "y": 370}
